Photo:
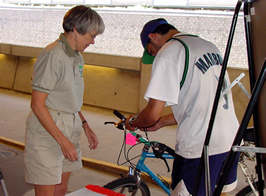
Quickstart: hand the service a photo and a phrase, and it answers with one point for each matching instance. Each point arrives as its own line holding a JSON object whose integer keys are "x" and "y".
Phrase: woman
{"x": 54, "y": 126}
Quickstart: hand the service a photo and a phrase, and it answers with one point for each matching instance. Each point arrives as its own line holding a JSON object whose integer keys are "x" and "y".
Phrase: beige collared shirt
{"x": 58, "y": 72}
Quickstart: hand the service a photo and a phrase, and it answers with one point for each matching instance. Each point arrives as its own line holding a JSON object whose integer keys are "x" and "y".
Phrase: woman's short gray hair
{"x": 84, "y": 20}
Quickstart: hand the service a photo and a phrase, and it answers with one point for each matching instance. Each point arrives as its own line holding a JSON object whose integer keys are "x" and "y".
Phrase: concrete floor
{"x": 14, "y": 109}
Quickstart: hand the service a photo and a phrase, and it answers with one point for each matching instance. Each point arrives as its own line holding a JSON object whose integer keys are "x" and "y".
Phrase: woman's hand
{"x": 68, "y": 149}
{"x": 92, "y": 138}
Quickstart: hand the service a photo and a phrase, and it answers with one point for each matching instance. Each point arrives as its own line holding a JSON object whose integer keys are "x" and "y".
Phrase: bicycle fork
{"x": 134, "y": 173}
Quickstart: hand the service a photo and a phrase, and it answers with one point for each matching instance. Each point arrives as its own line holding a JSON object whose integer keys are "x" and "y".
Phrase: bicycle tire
{"x": 127, "y": 186}
{"x": 246, "y": 191}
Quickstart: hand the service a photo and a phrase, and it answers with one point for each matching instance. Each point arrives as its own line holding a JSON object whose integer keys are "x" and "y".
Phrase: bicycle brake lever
{"x": 158, "y": 154}
{"x": 120, "y": 126}
{"x": 161, "y": 148}
{"x": 109, "y": 123}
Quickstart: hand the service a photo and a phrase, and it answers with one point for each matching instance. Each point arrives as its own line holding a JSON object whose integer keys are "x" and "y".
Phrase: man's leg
{"x": 61, "y": 189}
{"x": 231, "y": 180}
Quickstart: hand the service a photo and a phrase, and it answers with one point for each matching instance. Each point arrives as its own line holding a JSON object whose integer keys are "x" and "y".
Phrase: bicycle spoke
{"x": 135, "y": 192}
{"x": 129, "y": 190}
{"x": 122, "y": 190}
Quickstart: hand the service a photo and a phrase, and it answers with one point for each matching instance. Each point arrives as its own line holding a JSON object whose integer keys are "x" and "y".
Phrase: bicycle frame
{"x": 141, "y": 167}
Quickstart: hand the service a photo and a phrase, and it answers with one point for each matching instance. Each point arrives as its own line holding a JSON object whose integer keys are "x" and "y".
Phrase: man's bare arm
{"x": 150, "y": 114}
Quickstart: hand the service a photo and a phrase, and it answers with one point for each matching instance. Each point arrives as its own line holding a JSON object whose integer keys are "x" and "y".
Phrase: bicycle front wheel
{"x": 128, "y": 186}
{"x": 247, "y": 191}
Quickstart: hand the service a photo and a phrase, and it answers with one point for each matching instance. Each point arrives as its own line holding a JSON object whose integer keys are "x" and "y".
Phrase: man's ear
{"x": 155, "y": 37}
{"x": 152, "y": 36}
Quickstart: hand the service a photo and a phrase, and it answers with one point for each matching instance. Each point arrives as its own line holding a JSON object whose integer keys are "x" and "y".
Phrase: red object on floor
{"x": 99, "y": 189}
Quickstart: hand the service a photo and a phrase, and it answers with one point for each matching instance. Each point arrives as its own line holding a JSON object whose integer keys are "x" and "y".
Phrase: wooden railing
{"x": 114, "y": 82}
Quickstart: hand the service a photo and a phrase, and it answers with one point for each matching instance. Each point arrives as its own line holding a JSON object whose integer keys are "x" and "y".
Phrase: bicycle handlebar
{"x": 161, "y": 147}
{"x": 119, "y": 115}
{"x": 158, "y": 148}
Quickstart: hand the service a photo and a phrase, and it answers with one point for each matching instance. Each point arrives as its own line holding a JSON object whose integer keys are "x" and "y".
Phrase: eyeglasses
{"x": 93, "y": 36}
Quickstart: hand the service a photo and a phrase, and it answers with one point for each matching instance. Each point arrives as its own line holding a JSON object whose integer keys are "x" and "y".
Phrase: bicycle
{"x": 133, "y": 183}
{"x": 248, "y": 157}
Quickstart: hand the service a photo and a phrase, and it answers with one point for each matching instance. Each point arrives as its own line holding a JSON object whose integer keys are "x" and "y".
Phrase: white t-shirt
{"x": 192, "y": 105}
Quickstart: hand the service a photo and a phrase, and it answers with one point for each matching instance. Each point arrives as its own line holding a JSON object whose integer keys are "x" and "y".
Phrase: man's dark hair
{"x": 163, "y": 29}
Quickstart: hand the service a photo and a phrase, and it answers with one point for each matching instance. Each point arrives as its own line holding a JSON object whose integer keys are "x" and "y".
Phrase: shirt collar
{"x": 69, "y": 51}
{"x": 184, "y": 34}
{"x": 178, "y": 34}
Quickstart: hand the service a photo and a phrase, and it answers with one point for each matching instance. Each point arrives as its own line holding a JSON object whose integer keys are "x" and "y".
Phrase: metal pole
{"x": 207, "y": 171}
{"x": 217, "y": 97}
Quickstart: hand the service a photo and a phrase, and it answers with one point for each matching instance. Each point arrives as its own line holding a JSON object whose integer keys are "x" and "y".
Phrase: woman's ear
{"x": 74, "y": 30}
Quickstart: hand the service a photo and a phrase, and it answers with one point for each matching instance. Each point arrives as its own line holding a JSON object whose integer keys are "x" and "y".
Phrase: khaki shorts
{"x": 43, "y": 159}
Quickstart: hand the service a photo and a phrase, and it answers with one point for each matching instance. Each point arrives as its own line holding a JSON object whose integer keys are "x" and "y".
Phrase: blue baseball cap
{"x": 148, "y": 28}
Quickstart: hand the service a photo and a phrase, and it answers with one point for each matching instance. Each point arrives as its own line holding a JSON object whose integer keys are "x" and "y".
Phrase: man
{"x": 185, "y": 74}
{"x": 54, "y": 126}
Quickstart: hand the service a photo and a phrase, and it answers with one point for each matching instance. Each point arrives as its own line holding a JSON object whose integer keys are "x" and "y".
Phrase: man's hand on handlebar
{"x": 154, "y": 127}
{"x": 129, "y": 123}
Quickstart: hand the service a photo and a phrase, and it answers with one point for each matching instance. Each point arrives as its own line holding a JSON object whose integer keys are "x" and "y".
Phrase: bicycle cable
{"x": 124, "y": 150}
{"x": 123, "y": 145}
{"x": 127, "y": 156}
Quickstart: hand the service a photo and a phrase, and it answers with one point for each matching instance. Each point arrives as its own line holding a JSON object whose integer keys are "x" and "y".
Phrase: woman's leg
{"x": 44, "y": 190}
{"x": 53, "y": 190}
{"x": 61, "y": 189}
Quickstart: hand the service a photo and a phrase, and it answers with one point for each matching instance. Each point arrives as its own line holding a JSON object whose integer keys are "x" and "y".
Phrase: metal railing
{"x": 211, "y": 4}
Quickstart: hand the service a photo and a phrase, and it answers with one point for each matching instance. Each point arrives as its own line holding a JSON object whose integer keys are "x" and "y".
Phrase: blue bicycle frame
{"x": 143, "y": 168}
